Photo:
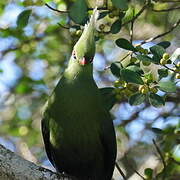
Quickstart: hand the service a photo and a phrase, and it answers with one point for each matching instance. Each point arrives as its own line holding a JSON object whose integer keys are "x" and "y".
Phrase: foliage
{"x": 142, "y": 73}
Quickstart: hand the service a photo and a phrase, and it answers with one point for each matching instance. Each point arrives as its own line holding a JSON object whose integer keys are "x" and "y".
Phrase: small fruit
{"x": 78, "y": 32}
{"x": 118, "y": 97}
{"x": 145, "y": 51}
{"x": 163, "y": 61}
{"x": 178, "y": 64}
{"x": 177, "y": 76}
{"x": 101, "y": 27}
{"x": 176, "y": 70}
{"x": 154, "y": 90}
{"x": 117, "y": 90}
{"x": 143, "y": 89}
{"x": 117, "y": 83}
{"x": 133, "y": 60}
{"x": 111, "y": 15}
{"x": 165, "y": 56}
{"x": 115, "y": 12}
{"x": 146, "y": 63}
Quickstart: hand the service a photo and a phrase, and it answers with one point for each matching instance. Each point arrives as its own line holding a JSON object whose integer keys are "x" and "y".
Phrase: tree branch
{"x": 166, "y": 10}
{"x": 161, "y": 35}
{"x": 14, "y": 167}
{"x": 138, "y": 14}
{"x": 53, "y": 9}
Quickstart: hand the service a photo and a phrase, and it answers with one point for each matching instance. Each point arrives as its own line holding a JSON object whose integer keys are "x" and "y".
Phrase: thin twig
{"x": 159, "y": 152}
{"x": 53, "y": 9}
{"x": 133, "y": 168}
{"x": 138, "y": 14}
{"x": 162, "y": 158}
{"x": 129, "y": 53}
{"x": 166, "y": 10}
{"x": 120, "y": 171}
{"x": 63, "y": 26}
{"x": 169, "y": 68}
{"x": 169, "y": 1}
{"x": 131, "y": 30}
{"x": 161, "y": 35}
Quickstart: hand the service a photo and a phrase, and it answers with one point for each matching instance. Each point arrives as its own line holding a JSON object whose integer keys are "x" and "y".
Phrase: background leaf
{"x": 116, "y": 26}
{"x": 115, "y": 70}
{"x": 157, "y": 51}
{"x": 164, "y": 44}
{"x": 125, "y": 44}
{"x": 23, "y": 18}
{"x": 121, "y": 4}
{"x": 78, "y": 11}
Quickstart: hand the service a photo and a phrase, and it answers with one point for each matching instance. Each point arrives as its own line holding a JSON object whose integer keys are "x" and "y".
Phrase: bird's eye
{"x": 74, "y": 54}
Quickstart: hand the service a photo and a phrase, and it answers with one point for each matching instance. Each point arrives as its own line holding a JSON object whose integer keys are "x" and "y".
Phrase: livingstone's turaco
{"x": 77, "y": 128}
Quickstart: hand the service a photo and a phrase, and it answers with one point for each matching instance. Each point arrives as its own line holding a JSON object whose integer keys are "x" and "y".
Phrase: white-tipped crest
{"x": 93, "y": 19}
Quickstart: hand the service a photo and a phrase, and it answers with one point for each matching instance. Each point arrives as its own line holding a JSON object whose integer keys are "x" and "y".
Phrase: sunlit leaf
{"x": 131, "y": 76}
{"x": 167, "y": 86}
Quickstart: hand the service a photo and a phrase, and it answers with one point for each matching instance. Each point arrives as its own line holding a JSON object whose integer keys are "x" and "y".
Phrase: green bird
{"x": 77, "y": 128}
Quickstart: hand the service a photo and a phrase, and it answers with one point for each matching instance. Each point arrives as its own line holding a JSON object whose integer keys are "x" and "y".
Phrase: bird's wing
{"x": 46, "y": 135}
{"x": 109, "y": 144}
{"x": 108, "y": 96}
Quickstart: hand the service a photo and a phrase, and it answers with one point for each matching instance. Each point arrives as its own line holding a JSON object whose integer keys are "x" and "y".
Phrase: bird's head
{"x": 84, "y": 49}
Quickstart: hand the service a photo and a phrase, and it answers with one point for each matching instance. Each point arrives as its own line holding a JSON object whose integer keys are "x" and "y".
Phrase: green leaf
{"x": 135, "y": 68}
{"x": 157, "y": 130}
{"x": 121, "y": 4}
{"x": 162, "y": 73}
{"x": 148, "y": 172}
{"x": 156, "y": 100}
{"x": 131, "y": 76}
{"x": 175, "y": 55}
{"x": 78, "y": 11}
{"x": 164, "y": 44}
{"x": 145, "y": 58}
{"x": 137, "y": 99}
{"x": 125, "y": 44}
{"x": 157, "y": 51}
{"x": 115, "y": 70}
{"x": 46, "y": 1}
{"x": 167, "y": 86}
{"x": 108, "y": 96}
{"x": 103, "y": 14}
{"x": 116, "y": 26}
{"x": 23, "y": 18}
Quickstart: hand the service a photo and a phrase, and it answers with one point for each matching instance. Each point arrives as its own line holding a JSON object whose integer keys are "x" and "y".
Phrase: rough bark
{"x": 14, "y": 167}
